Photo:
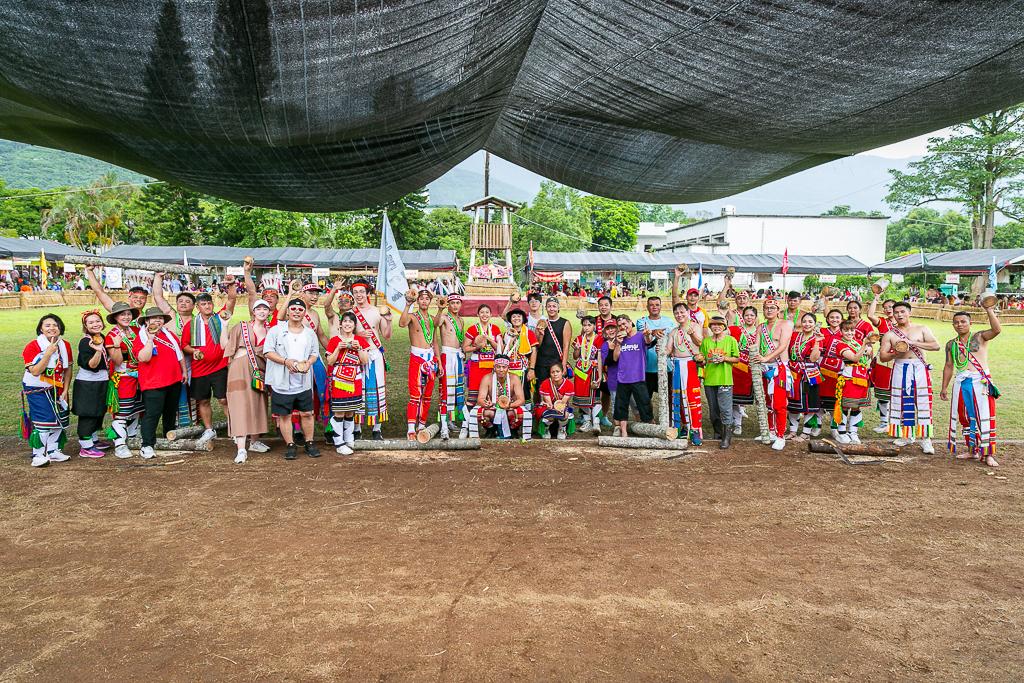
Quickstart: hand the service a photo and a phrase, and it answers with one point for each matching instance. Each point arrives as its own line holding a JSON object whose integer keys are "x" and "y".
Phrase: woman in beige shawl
{"x": 246, "y": 406}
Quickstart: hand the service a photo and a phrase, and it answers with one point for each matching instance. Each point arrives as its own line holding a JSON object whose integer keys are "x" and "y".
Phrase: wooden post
{"x": 663, "y": 388}
{"x": 428, "y": 433}
{"x": 449, "y": 445}
{"x": 168, "y": 445}
{"x": 196, "y": 430}
{"x": 652, "y": 431}
{"x": 640, "y": 443}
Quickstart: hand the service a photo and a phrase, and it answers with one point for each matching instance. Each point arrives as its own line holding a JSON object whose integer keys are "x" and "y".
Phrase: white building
{"x": 860, "y": 237}
{"x": 652, "y": 236}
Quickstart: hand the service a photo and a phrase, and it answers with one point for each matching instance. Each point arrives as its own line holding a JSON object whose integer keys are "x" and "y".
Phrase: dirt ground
{"x": 541, "y": 562}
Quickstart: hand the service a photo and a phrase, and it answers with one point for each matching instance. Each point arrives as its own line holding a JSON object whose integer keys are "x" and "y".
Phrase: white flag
{"x": 391, "y": 282}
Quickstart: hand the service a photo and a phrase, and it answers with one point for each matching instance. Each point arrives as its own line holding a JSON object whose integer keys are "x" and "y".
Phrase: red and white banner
{"x": 490, "y": 272}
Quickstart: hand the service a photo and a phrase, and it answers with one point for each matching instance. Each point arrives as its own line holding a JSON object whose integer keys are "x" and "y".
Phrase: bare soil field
{"x": 550, "y": 561}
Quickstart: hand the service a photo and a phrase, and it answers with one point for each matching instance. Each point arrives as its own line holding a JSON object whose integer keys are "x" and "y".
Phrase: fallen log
{"x": 640, "y": 443}
{"x": 438, "y": 445}
{"x": 168, "y": 445}
{"x": 428, "y": 433}
{"x": 876, "y": 450}
{"x": 195, "y": 430}
{"x": 150, "y": 266}
{"x": 653, "y": 431}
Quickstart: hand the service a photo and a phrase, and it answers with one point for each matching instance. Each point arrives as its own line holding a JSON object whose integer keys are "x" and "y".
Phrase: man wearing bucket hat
{"x": 162, "y": 371}
{"x": 125, "y": 398}
{"x": 720, "y": 352}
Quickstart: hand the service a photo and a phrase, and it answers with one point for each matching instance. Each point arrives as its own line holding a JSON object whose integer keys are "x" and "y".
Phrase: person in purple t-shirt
{"x": 629, "y": 350}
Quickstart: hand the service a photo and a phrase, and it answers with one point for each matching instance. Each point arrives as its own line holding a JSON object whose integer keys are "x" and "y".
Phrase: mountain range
{"x": 858, "y": 181}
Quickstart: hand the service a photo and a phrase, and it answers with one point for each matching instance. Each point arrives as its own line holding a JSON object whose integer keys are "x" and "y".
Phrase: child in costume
{"x": 586, "y": 350}
{"x": 347, "y": 354}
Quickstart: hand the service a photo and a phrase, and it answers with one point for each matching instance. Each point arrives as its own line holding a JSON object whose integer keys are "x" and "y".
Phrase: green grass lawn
{"x": 18, "y": 329}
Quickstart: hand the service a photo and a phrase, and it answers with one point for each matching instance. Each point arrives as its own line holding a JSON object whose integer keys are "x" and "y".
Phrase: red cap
{"x": 692, "y": 290}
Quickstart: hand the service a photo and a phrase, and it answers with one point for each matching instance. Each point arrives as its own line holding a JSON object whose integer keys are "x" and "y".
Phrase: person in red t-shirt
{"x": 161, "y": 373}
{"x": 201, "y": 339}
{"x": 557, "y": 388}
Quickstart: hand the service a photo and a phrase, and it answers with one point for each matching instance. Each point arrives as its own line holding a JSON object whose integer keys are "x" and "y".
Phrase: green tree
{"x": 663, "y": 213}
{"x": 979, "y": 167}
{"x": 927, "y": 229}
{"x": 448, "y": 228}
{"x": 613, "y": 224}
{"x": 407, "y": 218}
{"x": 844, "y": 210}
{"x": 166, "y": 214}
{"x": 91, "y": 216}
{"x": 1009, "y": 236}
{"x": 557, "y": 220}
{"x": 254, "y": 226}
{"x": 22, "y": 217}
{"x": 343, "y": 230}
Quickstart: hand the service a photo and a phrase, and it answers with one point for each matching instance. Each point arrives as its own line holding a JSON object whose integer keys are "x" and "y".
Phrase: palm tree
{"x": 91, "y": 216}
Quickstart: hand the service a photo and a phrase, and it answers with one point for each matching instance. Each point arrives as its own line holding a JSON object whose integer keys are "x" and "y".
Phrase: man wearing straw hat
{"x": 911, "y": 385}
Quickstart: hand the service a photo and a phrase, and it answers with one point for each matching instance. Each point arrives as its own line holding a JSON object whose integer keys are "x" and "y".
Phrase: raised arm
{"x": 994, "y": 327}
{"x": 94, "y": 284}
{"x": 406, "y": 315}
{"x": 677, "y": 275}
{"x": 329, "y": 311}
{"x": 229, "y": 307}
{"x": 723, "y": 303}
{"x": 158, "y": 294}
{"x": 250, "y": 286}
{"x": 872, "y": 318}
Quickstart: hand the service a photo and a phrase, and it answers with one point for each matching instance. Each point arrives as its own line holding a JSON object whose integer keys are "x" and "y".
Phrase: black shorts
{"x": 637, "y": 391}
{"x": 605, "y": 391}
{"x": 282, "y": 405}
{"x": 651, "y": 379}
{"x": 216, "y": 382}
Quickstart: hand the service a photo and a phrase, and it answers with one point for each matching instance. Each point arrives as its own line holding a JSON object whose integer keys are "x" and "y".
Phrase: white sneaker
{"x": 241, "y": 457}
{"x": 902, "y": 442}
{"x": 258, "y": 447}
{"x": 843, "y": 438}
{"x": 147, "y": 452}
{"x": 345, "y": 449}
{"x": 743, "y": 412}
{"x": 836, "y": 436}
{"x": 464, "y": 433}
{"x": 816, "y": 431}
{"x": 926, "y": 446}
{"x": 597, "y": 428}
{"x": 58, "y": 456}
{"x": 854, "y": 438}
{"x": 880, "y": 429}
{"x": 40, "y": 461}
{"x": 617, "y": 431}
{"x": 444, "y": 435}
{"x": 737, "y": 430}
{"x": 779, "y": 444}
{"x": 587, "y": 426}
{"x": 547, "y": 434}
{"x": 561, "y": 434}
{"x": 207, "y": 435}
{"x": 122, "y": 451}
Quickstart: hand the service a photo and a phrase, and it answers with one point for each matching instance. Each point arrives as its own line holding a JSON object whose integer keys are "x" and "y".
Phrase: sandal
{"x": 799, "y": 438}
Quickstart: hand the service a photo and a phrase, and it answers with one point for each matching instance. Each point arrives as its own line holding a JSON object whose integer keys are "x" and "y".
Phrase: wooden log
{"x": 428, "y": 433}
{"x": 436, "y": 445}
{"x": 195, "y": 430}
{"x": 651, "y": 431}
{"x": 876, "y": 450}
{"x": 150, "y": 266}
{"x": 663, "y": 398}
{"x": 168, "y": 445}
{"x": 641, "y": 443}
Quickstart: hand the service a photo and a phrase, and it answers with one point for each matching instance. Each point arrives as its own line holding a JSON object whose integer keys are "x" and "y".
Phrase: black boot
{"x": 718, "y": 429}
{"x": 726, "y": 439}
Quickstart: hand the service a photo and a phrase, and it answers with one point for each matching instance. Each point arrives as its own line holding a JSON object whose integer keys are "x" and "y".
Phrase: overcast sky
{"x": 908, "y": 148}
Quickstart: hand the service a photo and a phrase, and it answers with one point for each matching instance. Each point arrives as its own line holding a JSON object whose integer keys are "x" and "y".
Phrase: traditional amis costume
{"x": 851, "y": 391}
{"x": 548, "y": 416}
{"x": 973, "y": 403}
{"x": 777, "y": 382}
{"x": 452, "y": 406}
{"x": 480, "y": 362}
{"x": 910, "y": 407}
{"x": 742, "y": 386}
{"x": 422, "y": 374}
{"x": 804, "y": 398}
{"x": 347, "y": 383}
{"x": 881, "y": 378}
{"x": 831, "y": 366}
{"x": 375, "y": 410}
{"x": 44, "y": 414}
{"x": 686, "y": 407}
{"x": 586, "y": 368}
{"x": 504, "y": 419}
{"x": 124, "y": 400}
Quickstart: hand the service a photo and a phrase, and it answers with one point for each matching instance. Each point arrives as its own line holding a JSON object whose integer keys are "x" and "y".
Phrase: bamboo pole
{"x": 150, "y": 266}
{"x": 428, "y": 433}
{"x": 437, "y": 445}
{"x": 168, "y": 445}
{"x": 195, "y": 430}
{"x": 641, "y": 443}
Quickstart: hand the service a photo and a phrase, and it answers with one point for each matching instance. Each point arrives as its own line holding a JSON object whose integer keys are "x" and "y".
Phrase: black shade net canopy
{"x": 421, "y": 259}
{"x": 322, "y": 105}
{"x": 603, "y": 261}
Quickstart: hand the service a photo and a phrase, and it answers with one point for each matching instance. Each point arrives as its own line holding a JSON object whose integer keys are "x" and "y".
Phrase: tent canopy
{"x": 20, "y": 248}
{"x": 321, "y": 105}
{"x": 424, "y": 259}
{"x": 711, "y": 263}
{"x": 967, "y": 261}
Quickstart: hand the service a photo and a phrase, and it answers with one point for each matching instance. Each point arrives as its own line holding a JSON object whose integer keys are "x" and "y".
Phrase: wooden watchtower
{"x": 486, "y": 236}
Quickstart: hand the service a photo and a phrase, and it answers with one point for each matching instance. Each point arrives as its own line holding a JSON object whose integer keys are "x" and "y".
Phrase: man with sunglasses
{"x": 291, "y": 350}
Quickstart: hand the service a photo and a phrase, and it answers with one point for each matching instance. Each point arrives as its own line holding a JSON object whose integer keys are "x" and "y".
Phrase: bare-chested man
{"x": 974, "y": 395}
{"x": 684, "y": 366}
{"x": 488, "y": 412}
{"x": 452, "y": 330}
{"x": 423, "y": 352}
{"x": 911, "y": 386}
{"x": 692, "y": 301}
{"x": 733, "y": 317}
{"x": 773, "y": 337}
{"x": 376, "y": 328}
